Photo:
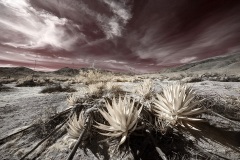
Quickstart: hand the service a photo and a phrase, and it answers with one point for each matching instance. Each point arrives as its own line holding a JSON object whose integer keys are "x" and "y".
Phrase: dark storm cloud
{"x": 140, "y": 35}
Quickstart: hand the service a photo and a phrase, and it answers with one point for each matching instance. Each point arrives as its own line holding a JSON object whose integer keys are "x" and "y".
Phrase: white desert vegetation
{"x": 145, "y": 89}
{"x": 75, "y": 125}
{"x": 93, "y": 76}
{"x": 74, "y": 98}
{"x": 176, "y": 105}
{"x": 96, "y": 89}
{"x": 121, "y": 117}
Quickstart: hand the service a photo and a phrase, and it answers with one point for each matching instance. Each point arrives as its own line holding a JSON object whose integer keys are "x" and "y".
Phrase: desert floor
{"x": 21, "y": 107}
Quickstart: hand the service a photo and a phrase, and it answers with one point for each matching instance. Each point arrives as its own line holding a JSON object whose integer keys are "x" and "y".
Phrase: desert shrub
{"x": 123, "y": 78}
{"x": 32, "y": 82}
{"x": 57, "y": 88}
{"x": 145, "y": 90}
{"x": 7, "y": 80}
{"x": 192, "y": 79}
{"x": 5, "y": 88}
{"x": 93, "y": 76}
{"x": 97, "y": 89}
{"x": 77, "y": 98}
{"x": 175, "y": 78}
{"x": 113, "y": 89}
{"x": 26, "y": 82}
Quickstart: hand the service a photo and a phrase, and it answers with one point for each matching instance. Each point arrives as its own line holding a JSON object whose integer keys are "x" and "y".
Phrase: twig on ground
{"x": 231, "y": 121}
{"x": 55, "y": 130}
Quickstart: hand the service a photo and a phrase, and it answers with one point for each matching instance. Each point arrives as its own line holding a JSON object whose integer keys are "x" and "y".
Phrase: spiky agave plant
{"x": 176, "y": 105}
{"x": 122, "y": 116}
{"x": 75, "y": 125}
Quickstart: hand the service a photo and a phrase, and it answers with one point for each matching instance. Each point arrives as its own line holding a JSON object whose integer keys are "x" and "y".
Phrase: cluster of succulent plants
{"x": 123, "y": 115}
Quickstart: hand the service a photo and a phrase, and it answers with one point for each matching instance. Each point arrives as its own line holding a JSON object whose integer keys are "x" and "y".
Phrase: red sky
{"x": 140, "y": 35}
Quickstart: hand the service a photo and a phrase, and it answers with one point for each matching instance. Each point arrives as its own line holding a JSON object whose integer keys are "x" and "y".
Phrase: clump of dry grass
{"x": 96, "y": 89}
{"x": 145, "y": 90}
{"x": 121, "y": 116}
{"x": 57, "y": 88}
{"x": 176, "y": 105}
{"x": 123, "y": 78}
{"x": 113, "y": 89}
{"x": 93, "y": 76}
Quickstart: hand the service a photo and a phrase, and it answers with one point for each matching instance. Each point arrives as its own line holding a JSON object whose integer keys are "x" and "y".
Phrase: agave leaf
{"x": 124, "y": 136}
{"x": 112, "y": 134}
{"x": 193, "y": 112}
{"x": 191, "y": 119}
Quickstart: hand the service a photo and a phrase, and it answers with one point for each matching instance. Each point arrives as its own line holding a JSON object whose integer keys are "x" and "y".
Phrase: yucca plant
{"x": 121, "y": 116}
{"x": 176, "y": 105}
{"x": 75, "y": 125}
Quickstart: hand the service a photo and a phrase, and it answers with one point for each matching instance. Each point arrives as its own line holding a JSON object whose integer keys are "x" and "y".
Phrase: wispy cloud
{"x": 141, "y": 35}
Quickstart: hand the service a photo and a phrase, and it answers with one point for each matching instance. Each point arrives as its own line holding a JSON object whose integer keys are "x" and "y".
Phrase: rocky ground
{"x": 24, "y": 107}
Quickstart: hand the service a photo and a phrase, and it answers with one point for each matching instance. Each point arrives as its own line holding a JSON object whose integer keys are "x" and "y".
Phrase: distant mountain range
{"x": 229, "y": 62}
{"x": 23, "y": 71}
{"x": 226, "y": 63}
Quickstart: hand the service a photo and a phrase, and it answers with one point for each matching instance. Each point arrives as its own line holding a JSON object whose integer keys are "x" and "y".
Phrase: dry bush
{"x": 76, "y": 98}
{"x": 96, "y": 89}
{"x": 32, "y": 82}
{"x": 192, "y": 79}
{"x": 5, "y": 88}
{"x": 5, "y": 80}
{"x": 113, "y": 89}
{"x": 145, "y": 90}
{"x": 123, "y": 78}
{"x": 26, "y": 82}
{"x": 57, "y": 88}
{"x": 93, "y": 76}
